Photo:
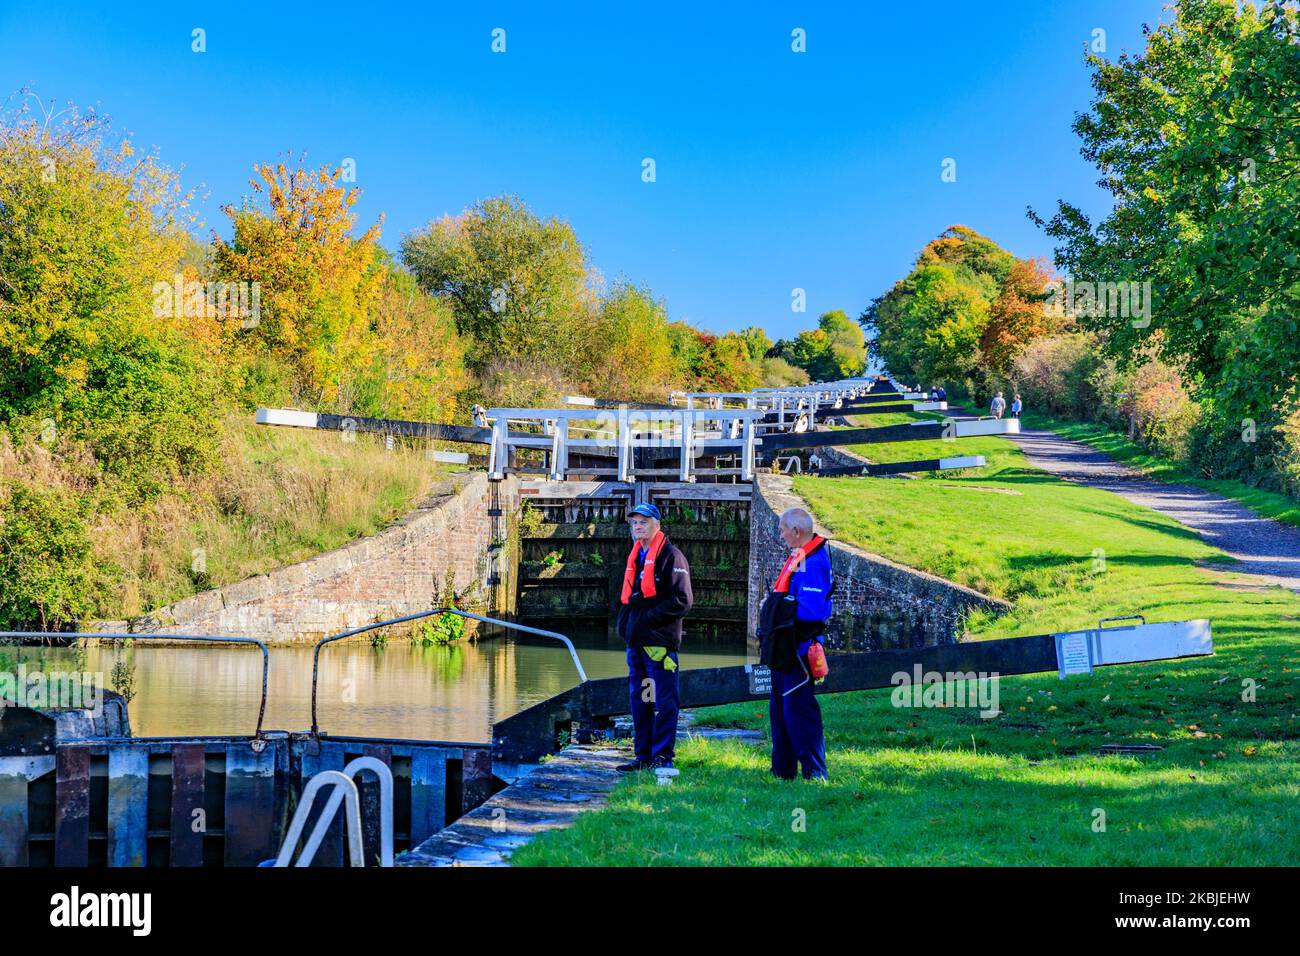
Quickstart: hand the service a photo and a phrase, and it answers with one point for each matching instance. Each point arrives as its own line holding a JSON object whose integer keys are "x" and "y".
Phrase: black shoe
{"x": 662, "y": 762}
{"x": 632, "y": 767}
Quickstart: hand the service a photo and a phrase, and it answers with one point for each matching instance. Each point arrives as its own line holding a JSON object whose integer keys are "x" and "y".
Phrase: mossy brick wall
{"x": 878, "y": 604}
{"x": 399, "y": 571}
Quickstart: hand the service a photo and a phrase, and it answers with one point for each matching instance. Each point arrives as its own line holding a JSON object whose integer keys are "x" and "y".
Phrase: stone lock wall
{"x": 399, "y": 571}
{"x": 878, "y": 604}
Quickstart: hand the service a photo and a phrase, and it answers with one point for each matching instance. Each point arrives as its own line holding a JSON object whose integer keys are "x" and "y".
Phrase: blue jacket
{"x": 810, "y": 585}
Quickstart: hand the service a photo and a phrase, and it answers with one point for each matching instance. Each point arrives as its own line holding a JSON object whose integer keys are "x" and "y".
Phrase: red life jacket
{"x": 796, "y": 558}
{"x": 647, "y": 572}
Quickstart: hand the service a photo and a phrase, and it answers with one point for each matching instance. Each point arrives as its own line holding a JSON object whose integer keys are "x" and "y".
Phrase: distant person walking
{"x": 998, "y": 405}
{"x": 793, "y": 617}
{"x": 1016, "y": 406}
{"x": 940, "y": 394}
{"x": 656, "y": 596}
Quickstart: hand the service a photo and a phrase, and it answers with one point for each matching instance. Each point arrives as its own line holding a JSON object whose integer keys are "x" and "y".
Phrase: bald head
{"x": 795, "y": 527}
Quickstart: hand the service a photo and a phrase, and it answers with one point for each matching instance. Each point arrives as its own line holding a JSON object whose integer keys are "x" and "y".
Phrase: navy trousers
{"x": 654, "y": 706}
{"x": 796, "y": 723}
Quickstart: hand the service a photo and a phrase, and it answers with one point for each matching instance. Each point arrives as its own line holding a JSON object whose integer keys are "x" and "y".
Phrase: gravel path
{"x": 1263, "y": 546}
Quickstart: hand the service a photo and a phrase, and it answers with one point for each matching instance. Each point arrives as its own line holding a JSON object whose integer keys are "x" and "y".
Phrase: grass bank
{"x": 279, "y": 496}
{"x": 918, "y": 786}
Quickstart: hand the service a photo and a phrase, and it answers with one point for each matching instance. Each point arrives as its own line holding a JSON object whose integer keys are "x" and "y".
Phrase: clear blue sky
{"x": 775, "y": 170}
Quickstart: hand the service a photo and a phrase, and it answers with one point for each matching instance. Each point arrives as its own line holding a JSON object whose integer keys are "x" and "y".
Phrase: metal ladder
{"x": 344, "y": 790}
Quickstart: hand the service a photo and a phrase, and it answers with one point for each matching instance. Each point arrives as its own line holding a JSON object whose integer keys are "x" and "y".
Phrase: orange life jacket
{"x": 647, "y": 572}
{"x": 796, "y": 558}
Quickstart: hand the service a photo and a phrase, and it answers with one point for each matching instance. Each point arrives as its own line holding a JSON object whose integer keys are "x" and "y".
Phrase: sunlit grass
{"x": 916, "y": 786}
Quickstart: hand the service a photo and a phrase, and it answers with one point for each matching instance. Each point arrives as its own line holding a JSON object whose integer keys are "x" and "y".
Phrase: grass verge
{"x": 942, "y": 785}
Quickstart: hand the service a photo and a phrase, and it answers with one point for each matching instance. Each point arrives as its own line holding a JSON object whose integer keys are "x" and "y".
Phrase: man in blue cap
{"x": 656, "y": 596}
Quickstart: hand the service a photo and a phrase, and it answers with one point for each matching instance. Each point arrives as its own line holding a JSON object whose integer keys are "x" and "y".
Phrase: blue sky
{"x": 774, "y": 169}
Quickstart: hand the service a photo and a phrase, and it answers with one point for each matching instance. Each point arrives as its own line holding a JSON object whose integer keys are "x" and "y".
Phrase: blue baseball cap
{"x": 648, "y": 510}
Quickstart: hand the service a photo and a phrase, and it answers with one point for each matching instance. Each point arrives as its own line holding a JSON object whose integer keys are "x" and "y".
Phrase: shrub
{"x": 45, "y": 567}
{"x": 1055, "y": 374}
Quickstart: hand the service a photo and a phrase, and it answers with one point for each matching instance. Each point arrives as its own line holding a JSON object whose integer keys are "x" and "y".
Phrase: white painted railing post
{"x": 553, "y": 426}
{"x": 624, "y": 448}
{"x": 747, "y": 458}
{"x": 688, "y": 432}
{"x": 497, "y": 450}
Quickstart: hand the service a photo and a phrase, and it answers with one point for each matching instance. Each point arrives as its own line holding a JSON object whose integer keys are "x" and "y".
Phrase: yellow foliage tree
{"x": 317, "y": 282}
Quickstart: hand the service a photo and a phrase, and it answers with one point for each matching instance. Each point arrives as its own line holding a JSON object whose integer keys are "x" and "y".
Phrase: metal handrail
{"x": 1101, "y": 624}
{"x": 315, "y": 656}
{"x": 258, "y": 742}
{"x": 344, "y": 788}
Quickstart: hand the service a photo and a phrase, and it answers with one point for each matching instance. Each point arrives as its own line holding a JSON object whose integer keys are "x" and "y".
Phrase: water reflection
{"x": 402, "y": 690}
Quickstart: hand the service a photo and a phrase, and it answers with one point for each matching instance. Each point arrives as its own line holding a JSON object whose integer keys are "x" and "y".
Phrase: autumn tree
{"x": 634, "y": 359}
{"x": 317, "y": 281}
{"x": 1017, "y": 315}
{"x": 418, "y": 363}
{"x": 932, "y": 324}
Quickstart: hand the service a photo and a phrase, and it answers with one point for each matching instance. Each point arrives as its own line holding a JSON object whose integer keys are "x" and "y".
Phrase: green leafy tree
{"x": 518, "y": 284}
{"x": 1195, "y": 139}
{"x": 45, "y": 570}
{"x": 87, "y": 228}
{"x": 932, "y": 325}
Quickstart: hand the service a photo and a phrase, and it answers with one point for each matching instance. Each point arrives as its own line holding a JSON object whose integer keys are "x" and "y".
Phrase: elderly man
{"x": 656, "y": 596}
{"x": 792, "y": 617}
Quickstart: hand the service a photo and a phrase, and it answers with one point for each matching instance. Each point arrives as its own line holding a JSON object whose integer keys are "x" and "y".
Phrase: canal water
{"x": 447, "y": 692}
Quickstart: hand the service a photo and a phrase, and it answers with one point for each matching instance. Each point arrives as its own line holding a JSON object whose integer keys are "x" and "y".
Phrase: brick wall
{"x": 398, "y": 571}
{"x": 878, "y": 604}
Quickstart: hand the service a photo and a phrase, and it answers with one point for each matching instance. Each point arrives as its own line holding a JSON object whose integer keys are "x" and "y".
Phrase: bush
{"x": 1054, "y": 374}
{"x": 45, "y": 566}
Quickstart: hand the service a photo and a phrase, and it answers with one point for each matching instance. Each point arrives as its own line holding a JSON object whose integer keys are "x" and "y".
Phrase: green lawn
{"x": 944, "y": 786}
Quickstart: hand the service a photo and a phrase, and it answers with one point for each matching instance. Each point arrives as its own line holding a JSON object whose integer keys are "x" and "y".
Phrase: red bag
{"x": 817, "y": 665}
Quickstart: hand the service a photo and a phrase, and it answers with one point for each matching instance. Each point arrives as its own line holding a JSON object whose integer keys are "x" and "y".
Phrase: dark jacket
{"x": 657, "y": 621}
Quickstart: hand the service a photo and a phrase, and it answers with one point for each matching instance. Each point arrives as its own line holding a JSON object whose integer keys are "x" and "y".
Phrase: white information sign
{"x": 1074, "y": 653}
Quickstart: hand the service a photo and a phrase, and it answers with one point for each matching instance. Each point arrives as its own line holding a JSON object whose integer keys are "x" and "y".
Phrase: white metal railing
{"x": 688, "y": 432}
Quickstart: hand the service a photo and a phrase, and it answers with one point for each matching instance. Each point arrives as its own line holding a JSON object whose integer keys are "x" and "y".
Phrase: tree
{"x": 86, "y": 229}
{"x": 518, "y": 284}
{"x": 1018, "y": 316}
{"x": 961, "y": 315}
{"x": 317, "y": 282}
{"x": 1196, "y": 141}
{"x": 635, "y": 358}
{"x": 418, "y": 367}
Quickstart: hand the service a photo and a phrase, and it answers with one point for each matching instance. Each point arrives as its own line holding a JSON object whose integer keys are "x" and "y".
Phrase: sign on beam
{"x": 973, "y": 427}
{"x": 963, "y": 461}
